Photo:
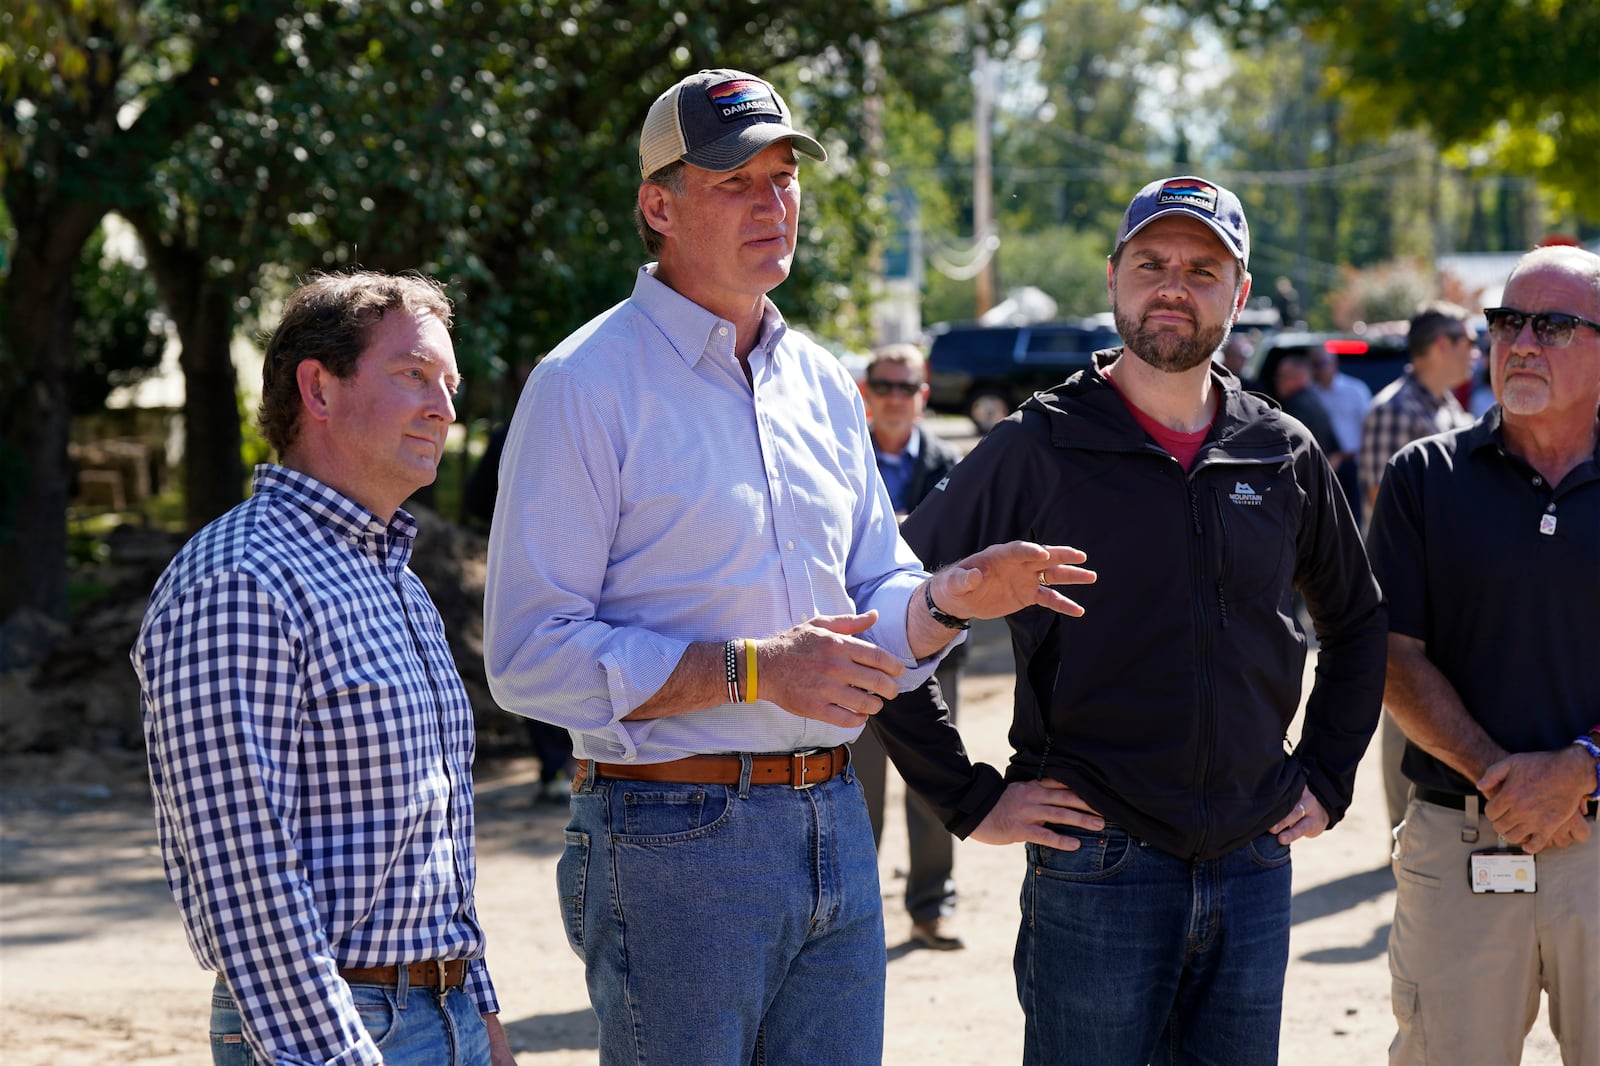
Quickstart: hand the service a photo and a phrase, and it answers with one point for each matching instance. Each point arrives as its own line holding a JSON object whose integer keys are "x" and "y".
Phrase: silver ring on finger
{"x": 1301, "y": 807}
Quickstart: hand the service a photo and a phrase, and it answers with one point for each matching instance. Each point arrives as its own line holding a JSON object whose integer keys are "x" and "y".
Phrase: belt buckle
{"x": 799, "y": 767}
{"x": 444, "y": 977}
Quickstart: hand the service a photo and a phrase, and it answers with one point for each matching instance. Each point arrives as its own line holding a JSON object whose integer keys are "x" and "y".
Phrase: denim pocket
{"x": 572, "y": 878}
{"x": 665, "y": 814}
{"x": 228, "y": 1045}
{"x": 376, "y": 1007}
{"x": 1267, "y": 852}
{"x": 1099, "y": 855}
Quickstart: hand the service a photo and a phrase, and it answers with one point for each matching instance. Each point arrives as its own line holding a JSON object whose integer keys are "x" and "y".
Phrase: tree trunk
{"x": 34, "y": 407}
{"x": 213, "y": 470}
{"x": 201, "y": 307}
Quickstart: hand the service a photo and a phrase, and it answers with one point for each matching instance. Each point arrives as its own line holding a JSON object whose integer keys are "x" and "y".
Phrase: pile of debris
{"x": 67, "y": 687}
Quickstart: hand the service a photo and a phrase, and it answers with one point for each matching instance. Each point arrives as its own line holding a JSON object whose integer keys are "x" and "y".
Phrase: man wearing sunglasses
{"x": 1487, "y": 542}
{"x": 912, "y": 460}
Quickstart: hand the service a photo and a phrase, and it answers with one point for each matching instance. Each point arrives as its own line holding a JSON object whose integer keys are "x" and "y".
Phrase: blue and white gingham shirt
{"x": 1403, "y": 411}
{"x": 310, "y": 748}
{"x": 651, "y": 497}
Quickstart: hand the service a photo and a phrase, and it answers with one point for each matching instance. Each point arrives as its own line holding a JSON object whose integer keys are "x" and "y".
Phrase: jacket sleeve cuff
{"x": 976, "y": 802}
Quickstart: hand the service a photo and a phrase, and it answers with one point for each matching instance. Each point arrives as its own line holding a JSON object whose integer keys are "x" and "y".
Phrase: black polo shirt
{"x": 1498, "y": 574}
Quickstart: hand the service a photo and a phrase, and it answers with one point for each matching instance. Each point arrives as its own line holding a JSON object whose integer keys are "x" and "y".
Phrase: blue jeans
{"x": 727, "y": 924}
{"x": 420, "y": 1028}
{"x": 1128, "y": 955}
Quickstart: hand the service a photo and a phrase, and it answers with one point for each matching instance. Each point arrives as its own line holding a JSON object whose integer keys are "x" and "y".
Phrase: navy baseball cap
{"x": 1196, "y": 197}
{"x": 717, "y": 120}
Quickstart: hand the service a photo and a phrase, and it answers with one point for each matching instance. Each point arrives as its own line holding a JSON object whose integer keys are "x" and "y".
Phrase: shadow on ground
{"x": 576, "y": 1030}
{"x": 1331, "y": 897}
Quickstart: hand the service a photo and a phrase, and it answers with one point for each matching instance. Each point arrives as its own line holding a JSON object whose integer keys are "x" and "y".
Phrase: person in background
{"x": 1149, "y": 733}
{"x": 1346, "y": 400}
{"x": 911, "y": 461}
{"x": 1291, "y": 383}
{"x": 694, "y": 567}
{"x": 1236, "y": 351}
{"x": 1417, "y": 404}
{"x": 1487, "y": 543}
{"x": 310, "y": 742}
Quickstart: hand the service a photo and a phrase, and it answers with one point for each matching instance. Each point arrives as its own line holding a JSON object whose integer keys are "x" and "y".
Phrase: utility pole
{"x": 982, "y": 190}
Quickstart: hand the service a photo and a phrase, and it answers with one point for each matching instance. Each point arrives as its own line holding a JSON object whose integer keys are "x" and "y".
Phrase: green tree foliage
{"x": 1517, "y": 78}
{"x": 491, "y": 143}
{"x": 113, "y": 332}
{"x": 91, "y": 103}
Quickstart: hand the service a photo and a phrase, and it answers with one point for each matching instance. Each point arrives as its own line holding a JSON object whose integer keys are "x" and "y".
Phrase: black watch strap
{"x": 949, "y": 621}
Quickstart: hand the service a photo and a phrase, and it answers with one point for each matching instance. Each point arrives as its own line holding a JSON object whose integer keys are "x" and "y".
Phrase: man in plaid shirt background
{"x": 1417, "y": 404}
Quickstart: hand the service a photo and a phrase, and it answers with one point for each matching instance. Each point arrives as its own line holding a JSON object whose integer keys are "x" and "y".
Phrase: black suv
{"x": 1376, "y": 359}
{"x": 984, "y": 372}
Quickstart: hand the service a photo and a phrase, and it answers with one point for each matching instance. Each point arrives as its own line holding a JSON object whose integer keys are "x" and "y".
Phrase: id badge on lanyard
{"x": 1502, "y": 868}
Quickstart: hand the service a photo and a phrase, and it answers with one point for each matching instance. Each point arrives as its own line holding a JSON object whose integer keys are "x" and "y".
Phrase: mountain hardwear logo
{"x": 1244, "y": 495}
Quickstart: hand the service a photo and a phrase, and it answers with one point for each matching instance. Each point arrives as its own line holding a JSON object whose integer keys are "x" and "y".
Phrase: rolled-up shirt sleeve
{"x": 560, "y": 498}
{"x": 654, "y": 494}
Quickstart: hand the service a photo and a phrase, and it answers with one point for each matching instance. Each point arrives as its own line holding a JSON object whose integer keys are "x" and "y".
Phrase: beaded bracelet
{"x": 730, "y": 656}
{"x": 1594, "y": 752}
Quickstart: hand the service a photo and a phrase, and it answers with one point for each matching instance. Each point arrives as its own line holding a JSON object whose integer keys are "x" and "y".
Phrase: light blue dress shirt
{"x": 651, "y": 497}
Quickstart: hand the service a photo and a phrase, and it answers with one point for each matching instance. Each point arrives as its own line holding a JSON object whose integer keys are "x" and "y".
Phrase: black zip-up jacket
{"x": 1167, "y": 705}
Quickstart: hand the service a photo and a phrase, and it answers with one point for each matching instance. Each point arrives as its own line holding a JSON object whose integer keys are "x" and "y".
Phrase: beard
{"x": 1172, "y": 353}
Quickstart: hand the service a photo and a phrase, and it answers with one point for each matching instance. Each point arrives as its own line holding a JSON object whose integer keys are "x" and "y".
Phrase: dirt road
{"x": 93, "y": 964}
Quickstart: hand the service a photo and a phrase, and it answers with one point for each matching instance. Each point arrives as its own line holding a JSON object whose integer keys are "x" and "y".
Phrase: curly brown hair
{"x": 329, "y": 319}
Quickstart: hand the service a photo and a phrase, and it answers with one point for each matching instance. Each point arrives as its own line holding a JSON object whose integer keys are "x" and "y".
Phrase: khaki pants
{"x": 1467, "y": 969}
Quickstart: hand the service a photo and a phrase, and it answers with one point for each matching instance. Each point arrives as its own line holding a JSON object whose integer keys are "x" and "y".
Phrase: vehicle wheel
{"x": 986, "y": 407}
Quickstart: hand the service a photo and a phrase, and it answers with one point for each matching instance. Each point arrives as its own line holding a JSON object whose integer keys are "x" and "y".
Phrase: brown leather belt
{"x": 436, "y": 975}
{"x": 797, "y": 769}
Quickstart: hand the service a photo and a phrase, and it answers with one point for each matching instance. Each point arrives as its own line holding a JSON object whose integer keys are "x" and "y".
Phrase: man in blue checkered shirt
{"x": 1417, "y": 404}
{"x": 310, "y": 741}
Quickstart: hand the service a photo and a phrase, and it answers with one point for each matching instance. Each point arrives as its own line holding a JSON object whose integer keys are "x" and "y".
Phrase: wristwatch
{"x": 949, "y": 621}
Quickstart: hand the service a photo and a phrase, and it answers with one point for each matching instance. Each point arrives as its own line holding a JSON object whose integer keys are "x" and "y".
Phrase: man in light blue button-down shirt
{"x": 694, "y": 567}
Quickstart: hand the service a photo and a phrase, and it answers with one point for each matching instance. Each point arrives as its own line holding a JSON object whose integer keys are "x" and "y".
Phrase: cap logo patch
{"x": 733, "y": 101}
{"x": 1200, "y": 195}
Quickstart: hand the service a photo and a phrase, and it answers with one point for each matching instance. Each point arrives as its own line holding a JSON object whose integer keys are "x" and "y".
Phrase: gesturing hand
{"x": 819, "y": 670}
{"x": 1005, "y": 578}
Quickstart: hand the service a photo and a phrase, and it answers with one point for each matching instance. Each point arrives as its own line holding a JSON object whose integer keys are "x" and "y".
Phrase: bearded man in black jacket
{"x": 1150, "y": 778}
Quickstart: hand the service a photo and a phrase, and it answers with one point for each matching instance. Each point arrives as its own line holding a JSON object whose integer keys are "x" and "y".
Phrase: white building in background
{"x": 1485, "y": 272}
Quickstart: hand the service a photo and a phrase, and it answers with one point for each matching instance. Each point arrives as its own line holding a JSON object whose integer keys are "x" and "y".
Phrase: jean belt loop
{"x": 402, "y": 983}
{"x": 1469, "y": 819}
{"x": 746, "y": 766}
{"x": 590, "y": 776}
{"x": 849, "y": 772}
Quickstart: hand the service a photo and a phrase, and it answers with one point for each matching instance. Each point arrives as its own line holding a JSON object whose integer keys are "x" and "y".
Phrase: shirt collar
{"x": 1489, "y": 432}
{"x": 912, "y": 450}
{"x": 390, "y": 542}
{"x": 690, "y": 328}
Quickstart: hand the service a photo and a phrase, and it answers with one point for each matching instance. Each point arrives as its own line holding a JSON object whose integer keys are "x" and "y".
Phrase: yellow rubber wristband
{"x": 749, "y": 670}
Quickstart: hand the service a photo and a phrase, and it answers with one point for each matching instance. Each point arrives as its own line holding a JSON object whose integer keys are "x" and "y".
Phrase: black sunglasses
{"x": 1552, "y": 329}
{"x": 880, "y": 387}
